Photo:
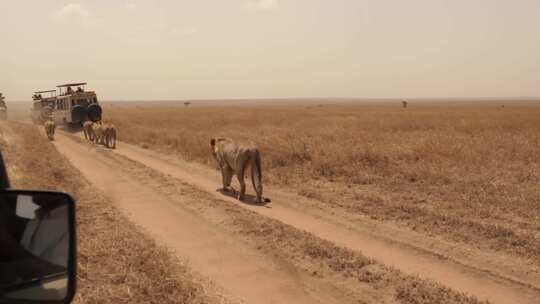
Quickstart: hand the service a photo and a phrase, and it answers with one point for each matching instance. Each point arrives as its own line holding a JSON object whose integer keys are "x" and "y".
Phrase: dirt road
{"x": 246, "y": 272}
{"x": 231, "y": 265}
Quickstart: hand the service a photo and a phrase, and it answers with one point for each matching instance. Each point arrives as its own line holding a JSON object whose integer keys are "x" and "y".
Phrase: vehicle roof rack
{"x": 71, "y": 85}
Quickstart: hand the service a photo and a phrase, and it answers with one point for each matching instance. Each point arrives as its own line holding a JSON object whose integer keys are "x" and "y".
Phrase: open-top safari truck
{"x": 43, "y": 103}
{"x": 74, "y": 105}
{"x": 3, "y": 108}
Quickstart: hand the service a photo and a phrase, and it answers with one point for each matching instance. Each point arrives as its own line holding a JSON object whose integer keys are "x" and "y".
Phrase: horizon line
{"x": 506, "y": 98}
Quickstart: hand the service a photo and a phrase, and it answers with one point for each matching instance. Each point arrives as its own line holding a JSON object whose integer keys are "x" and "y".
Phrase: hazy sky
{"x": 179, "y": 49}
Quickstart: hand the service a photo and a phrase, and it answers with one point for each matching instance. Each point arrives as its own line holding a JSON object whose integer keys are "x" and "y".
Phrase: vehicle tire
{"x": 78, "y": 114}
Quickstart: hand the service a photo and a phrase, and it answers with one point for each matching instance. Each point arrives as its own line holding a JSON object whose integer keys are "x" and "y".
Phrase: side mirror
{"x": 37, "y": 247}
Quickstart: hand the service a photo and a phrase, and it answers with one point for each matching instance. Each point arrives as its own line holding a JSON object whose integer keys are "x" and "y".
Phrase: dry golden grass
{"x": 116, "y": 262}
{"x": 467, "y": 172}
{"x": 353, "y": 275}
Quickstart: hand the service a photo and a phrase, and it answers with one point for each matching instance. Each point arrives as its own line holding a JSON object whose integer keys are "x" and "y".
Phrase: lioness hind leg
{"x": 226, "y": 174}
{"x": 242, "y": 182}
{"x": 50, "y": 133}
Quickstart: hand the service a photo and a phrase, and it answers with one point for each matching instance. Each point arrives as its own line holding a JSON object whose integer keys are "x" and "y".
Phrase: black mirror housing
{"x": 37, "y": 247}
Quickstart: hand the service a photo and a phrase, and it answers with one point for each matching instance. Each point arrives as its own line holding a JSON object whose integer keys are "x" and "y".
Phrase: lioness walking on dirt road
{"x": 88, "y": 132}
{"x": 97, "y": 130}
{"x": 109, "y": 132}
{"x": 233, "y": 159}
{"x": 50, "y": 127}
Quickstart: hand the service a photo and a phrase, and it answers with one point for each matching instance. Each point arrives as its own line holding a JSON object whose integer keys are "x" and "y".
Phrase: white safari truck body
{"x": 75, "y": 106}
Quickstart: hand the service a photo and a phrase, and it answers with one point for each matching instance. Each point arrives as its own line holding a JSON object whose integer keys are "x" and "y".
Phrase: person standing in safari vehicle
{"x": 3, "y": 107}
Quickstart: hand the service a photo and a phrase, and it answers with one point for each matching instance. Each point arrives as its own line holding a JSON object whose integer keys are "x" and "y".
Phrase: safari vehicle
{"x": 74, "y": 106}
{"x": 37, "y": 245}
{"x": 3, "y": 108}
{"x": 42, "y": 107}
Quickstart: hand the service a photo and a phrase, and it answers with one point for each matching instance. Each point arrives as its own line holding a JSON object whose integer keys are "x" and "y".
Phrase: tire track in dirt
{"x": 237, "y": 268}
{"x": 456, "y": 276}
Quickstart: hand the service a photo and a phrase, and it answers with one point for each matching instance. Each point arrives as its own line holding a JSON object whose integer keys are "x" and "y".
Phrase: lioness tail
{"x": 256, "y": 174}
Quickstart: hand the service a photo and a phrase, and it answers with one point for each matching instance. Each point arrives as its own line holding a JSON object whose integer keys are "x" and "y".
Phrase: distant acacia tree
{"x": 404, "y": 104}
{"x": 187, "y": 103}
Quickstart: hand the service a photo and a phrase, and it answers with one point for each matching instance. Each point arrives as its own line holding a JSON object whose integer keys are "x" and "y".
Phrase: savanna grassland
{"x": 468, "y": 172}
{"x": 119, "y": 263}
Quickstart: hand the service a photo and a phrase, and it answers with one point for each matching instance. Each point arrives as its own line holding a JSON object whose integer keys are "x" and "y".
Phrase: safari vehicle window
{"x": 82, "y": 102}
